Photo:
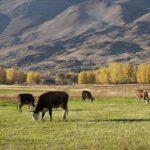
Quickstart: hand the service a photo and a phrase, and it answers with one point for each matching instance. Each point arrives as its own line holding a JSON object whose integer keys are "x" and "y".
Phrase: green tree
{"x": 21, "y": 77}
{"x": 60, "y": 78}
{"x": 3, "y": 77}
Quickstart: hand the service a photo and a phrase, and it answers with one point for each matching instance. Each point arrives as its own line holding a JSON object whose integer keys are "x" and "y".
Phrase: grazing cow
{"x": 25, "y": 99}
{"x": 87, "y": 95}
{"x": 142, "y": 94}
{"x": 49, "y": 100}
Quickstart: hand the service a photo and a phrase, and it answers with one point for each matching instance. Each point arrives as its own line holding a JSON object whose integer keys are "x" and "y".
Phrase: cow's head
{"x": 35, "y": 116}
{"x": 92, "y": 99}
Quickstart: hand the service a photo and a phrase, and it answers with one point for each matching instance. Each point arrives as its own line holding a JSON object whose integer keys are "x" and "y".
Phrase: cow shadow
{"x": 72, "y": 110}
{"x": 125, "y": 120}
{"x": 121, "y": 120}
{"x": 6, "y": 105}
{"x": 78, "y": 109}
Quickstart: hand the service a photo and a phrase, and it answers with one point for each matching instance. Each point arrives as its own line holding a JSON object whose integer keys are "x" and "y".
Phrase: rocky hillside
{"x": 73, "y": 34}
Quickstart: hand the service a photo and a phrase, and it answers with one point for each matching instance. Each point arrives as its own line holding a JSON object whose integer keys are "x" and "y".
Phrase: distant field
{"x": 125, "y": 90}
{"x": 106, "y": 124}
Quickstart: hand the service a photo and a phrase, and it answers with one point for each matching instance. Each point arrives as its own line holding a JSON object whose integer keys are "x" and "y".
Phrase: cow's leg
{"x": 43, "y": 113}
{"x": 138, "y": 98}
{"x": 20, "y": 110}
{"x": 64, "y": 113}
{"x": 146, "y": 101}
{"x": 83, "y": 99}
{"x": 28, "y": 107}
{"x": 50, "y": 113}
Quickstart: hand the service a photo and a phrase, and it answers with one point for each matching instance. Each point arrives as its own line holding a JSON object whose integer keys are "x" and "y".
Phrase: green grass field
{"x": 106, "y": 124}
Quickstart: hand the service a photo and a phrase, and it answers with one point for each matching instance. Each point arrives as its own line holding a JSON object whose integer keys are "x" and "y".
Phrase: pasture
{"x": 107, "y": 124}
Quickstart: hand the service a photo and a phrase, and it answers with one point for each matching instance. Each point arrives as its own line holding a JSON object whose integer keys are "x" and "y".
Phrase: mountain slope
{"x": 73, "y": 35}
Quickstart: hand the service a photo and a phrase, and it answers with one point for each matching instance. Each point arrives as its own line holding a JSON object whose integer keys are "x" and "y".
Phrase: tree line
{"x": 15, "y": 76}
{"x": 114, "y": 73}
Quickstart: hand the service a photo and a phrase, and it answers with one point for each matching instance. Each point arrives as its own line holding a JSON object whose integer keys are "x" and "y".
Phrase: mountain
{"x": 73, "y": 34}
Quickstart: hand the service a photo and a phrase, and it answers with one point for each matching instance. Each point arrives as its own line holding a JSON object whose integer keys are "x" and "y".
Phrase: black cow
{"x": 49, "y": 100}
{"x": 87, "y": 95}
{"x": 25, "y": 99}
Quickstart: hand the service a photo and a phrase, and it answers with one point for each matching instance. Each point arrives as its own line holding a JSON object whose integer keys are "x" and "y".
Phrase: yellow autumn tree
{"x": 33, "y": 77}
{"x": 148, "y": 73}
{"x": 91, "y": 77}
{"x": 37, "y": 77}
{"x": 30, "y": 77}
{"x": 11, "y": 75}
{"x": 104, "y": 75}
{"x": 116, "y": 74}
{"x": 122, "y": 73}
{"x": 143, "y": 73}
{"x": 82, "y": 78}
{"x": 97, "y": 73}
{"x": 129, "y": 75}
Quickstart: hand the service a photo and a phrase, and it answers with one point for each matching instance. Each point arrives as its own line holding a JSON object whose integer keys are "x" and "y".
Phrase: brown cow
{"x": 142, "y": 94}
